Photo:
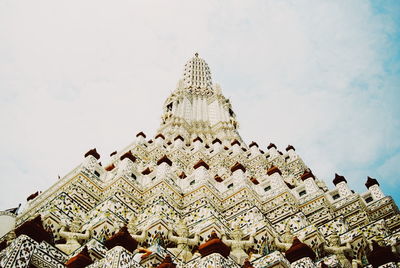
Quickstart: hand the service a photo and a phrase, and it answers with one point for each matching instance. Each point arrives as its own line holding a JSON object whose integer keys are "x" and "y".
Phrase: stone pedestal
{"x": 303, "y": 263}
{"x": 117, "y": 257}
{"x": 274, "y": 259}
{"x": 19, "y": 253}
{"x": 24, "y": 252}
{"x": 45, "y": 255}
{"x": 152, "y": 261}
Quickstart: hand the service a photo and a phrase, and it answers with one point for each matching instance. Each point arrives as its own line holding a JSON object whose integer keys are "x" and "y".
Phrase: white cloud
{"x": 76, "y": 75}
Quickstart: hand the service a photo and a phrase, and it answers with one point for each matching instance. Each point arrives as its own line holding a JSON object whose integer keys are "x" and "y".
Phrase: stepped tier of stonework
{"x": 196, "y": 195}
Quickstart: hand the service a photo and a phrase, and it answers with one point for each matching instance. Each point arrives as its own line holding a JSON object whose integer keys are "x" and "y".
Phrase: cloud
{"x": 75, "y": 75}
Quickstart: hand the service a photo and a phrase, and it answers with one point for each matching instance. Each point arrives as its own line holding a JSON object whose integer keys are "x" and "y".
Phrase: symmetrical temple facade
{"x": 196, "y": 195}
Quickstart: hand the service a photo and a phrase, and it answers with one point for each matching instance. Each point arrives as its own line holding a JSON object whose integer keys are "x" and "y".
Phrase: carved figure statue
{"x": 72, "y": 236}
{"x": 238, "y": 245}
{"x": 182, "y": 251}
{"x": 133, "y": 230}
{"x": 339, "y": 251}
{"x": 286, "y": 239}
{"x": 156, "y": 247}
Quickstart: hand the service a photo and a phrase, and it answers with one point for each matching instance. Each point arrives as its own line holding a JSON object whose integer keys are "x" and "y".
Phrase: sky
{"x": 323, "y": 76}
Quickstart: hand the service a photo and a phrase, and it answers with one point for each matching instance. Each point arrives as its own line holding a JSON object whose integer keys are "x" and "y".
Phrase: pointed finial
{"x": 370, "y": 182}
{"x": 338, "y": 179}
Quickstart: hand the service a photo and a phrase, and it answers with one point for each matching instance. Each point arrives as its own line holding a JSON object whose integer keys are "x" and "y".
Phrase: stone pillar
{"x": 343, "y": 189}
{"x": 159, "y": 139}
{"x": 341, "y": 184}
{"x": 254, "y": 149}
{"x": 113, "y": 156}
{"x": 197, "y": 143}
{"x": 90, "y": 162}
{"x": 373, "y": 186}
{"x": 273, "y": 152}
{"x": 236, "y": 147}
{"x": 217, "y": 145}
{"x": 291, "y": 152}
{"x": 125, "y": 167}
{"x": 201, "y": 171}
{"x": 178, "y": 142}
{"x": 141, "y": 138}
{"x": 275, "y": 176}
{"x": 163, "y": 167}
{"x": 309, "y": 182}
{"x": 238, "y": 174}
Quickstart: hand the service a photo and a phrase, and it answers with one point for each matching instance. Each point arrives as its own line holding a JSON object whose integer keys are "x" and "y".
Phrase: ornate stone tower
{"x": 196, "y": 195}
{"x": 197, "y": 108}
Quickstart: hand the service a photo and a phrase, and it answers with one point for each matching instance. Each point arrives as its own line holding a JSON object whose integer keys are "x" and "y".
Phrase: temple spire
{"x": 197, "y": 75}
{"x": 197, "y": 108}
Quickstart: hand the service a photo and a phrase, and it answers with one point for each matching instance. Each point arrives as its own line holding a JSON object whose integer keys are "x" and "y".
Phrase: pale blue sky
{"x": 323, "y": 76}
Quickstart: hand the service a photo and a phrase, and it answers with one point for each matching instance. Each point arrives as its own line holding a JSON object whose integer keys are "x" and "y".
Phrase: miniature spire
{"x": 93, "y": 153}
{"x": 273, "y": 170}
{"x": 370, "y": 182}
{"x": 307, "y": 174}
{"x": 290, "y": 147}
{"x": 271, "y": 145}
{"x": 338, "y": 179}
{"x": 373, "y": 187}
